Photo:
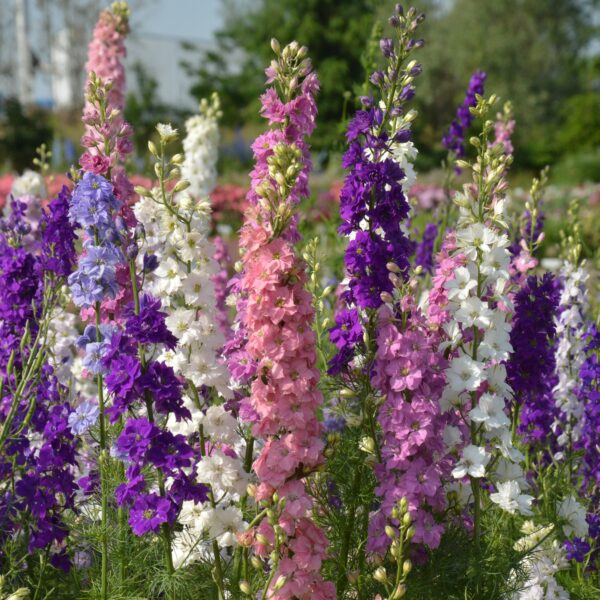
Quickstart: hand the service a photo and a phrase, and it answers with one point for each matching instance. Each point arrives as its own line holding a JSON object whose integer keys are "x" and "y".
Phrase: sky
{"x": 185, "y": 19}
{"x": 166, "y": 22}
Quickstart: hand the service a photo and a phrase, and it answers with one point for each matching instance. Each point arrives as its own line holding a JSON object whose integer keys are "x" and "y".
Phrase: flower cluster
{"x": 93, "y": 208}
{"x": 477, "y": 383}
{"x": 409, "y": 372}
{"x": 284, "y": 397}
{"x": 447, "y": 261}
{"x": 30, "y": 190}
{"x": 589, "y": 397}
{"x": 570, "y": 353}
{"x": 373, "y": 203}
{"x": 201, "y": 146}
{"x": 221, "y": 470}
{"x": 543, "y": 559}
{"x": 454, "y": 140}
{"x": 37, "y": 452}
{"x": 176, "y": 228}
{"x": 107, "y": 136}
{"x": 530, "y": 368}
{"x": 183, "y": 281}
{"x": 150, "y": 392}
{"x": 504, "y": 127}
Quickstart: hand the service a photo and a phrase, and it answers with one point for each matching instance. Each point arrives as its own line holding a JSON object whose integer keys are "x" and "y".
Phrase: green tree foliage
{"x": 144, "y": 109}
{"x": 21, "y": 132}
{"x": 335, "y": 32}
{"x": 533, "y": 52}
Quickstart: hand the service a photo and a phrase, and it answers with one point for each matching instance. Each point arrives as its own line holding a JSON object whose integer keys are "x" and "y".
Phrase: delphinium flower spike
{"x": 284, "y": 398}
{"x": 476, "y": 378}
{"x": 37, "y": 449}
{"x": 454, "y": 140}
{"x": 531, "y": 366}
{"x": 374, "y": 210}
{"x": 570, "y": 329}
{"x": 175, "y": 236}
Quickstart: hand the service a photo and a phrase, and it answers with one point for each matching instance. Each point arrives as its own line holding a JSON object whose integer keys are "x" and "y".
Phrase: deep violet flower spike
{"x": 373, "y": 199}
{"x": 454, "y": 140}
{"x": 530, "y": 369}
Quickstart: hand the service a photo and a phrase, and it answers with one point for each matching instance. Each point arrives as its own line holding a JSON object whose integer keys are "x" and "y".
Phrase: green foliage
{"x": 581, "y": 128}
{"x": 538, "y": 66}
{"x": 143, "y": 110}
{"x": 21, "y": 132}
{"x": 335, "y": 34}
{"x": 578, "y": 167}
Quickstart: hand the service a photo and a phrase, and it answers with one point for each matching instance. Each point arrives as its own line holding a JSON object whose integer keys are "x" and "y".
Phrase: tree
{"x": 22, "y": 130}
{"x": 532, "y": 51}
{"x": 335, "y": 32}
{"x": 143, "y": 109}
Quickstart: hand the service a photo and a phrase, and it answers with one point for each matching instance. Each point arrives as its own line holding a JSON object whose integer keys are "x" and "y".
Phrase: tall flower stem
{"x": 218, "y": 570}
{"x": 103, "y": 459}
{"x": 103, "y": 482}
{"x": 165, "y": 528}
{"x": 345, "y": 549}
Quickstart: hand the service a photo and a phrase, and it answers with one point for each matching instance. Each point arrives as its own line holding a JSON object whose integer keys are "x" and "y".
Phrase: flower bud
{"x": 150, "y": 263}
{"x": 245, "y": 588}
{"x": 406, "y": 567}
{"x": 20, "y": 594}
{"x": 386, "y": 46}
{"x": 152, "y": 148}
{"x": 403, "y": 504}
{"x": 275, "y": 46}
{"x": 281, "y": 581}
{"x": 410, "y": 533}
{"x": 256, "y": 563}
{"x": 182, "y": 185}
{"x": 367, "y": 444}
{"x": 380, "y": 575}
{"x": 390, "y": 532}
{"x": 398, "y": 592}
{"x": 140, "y": 190}
{"x": 131, "y": 251}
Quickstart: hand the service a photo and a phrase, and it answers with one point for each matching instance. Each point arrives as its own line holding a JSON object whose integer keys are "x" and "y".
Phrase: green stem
{"x": 103, "y": 482}
{"x": 342, "y": 580}
{"x": 218, "y": 570}
{"x": 165, "y": 529}
{"x": 248, "y": 455}
{"x": 274, "y": 568}
{"x": 515, "y": 421}
{"x": 476, "y": 512}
